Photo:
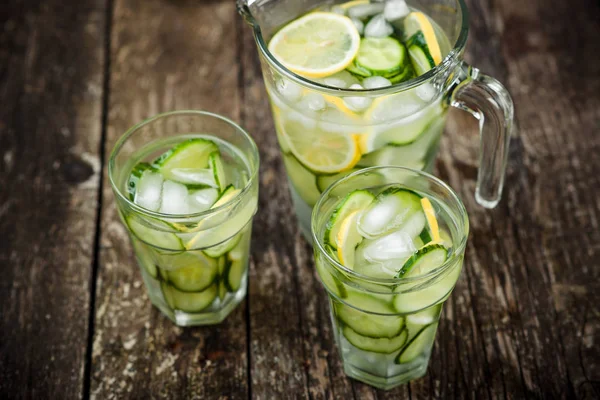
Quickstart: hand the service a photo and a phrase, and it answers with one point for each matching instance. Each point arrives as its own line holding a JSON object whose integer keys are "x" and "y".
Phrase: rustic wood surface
{"x": 523, "y": 321}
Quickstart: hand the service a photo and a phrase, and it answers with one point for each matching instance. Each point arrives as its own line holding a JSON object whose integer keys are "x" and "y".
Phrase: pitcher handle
{"x": 487, "y": 100}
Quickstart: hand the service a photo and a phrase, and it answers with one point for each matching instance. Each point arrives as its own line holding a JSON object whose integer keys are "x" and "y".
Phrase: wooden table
{"x": 523, "y": 322}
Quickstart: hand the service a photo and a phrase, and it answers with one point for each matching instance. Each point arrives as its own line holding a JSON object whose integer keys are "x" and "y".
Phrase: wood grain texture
{"x": 523, "y": 321}
{"x": 278, "y": 363}
{"x": 165, "y": 55}
{"x": 51, "y": 74}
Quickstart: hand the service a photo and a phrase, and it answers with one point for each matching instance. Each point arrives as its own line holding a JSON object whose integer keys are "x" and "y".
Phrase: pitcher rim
{"x": 445, "y": 65}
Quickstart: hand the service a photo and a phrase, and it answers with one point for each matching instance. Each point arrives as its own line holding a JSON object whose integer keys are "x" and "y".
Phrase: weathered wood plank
{"x": 279, "y": 365}
{"x": 535, "y": 342}
{"x": 560, "y": 176}
{"x": 165, "y": 55}
{"x": 51, "y": 75}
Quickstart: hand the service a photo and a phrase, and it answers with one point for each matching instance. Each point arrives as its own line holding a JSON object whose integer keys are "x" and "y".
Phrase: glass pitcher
{"x": 323, "y": 140}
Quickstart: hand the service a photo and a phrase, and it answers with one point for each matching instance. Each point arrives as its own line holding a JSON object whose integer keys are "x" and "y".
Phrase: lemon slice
{"x": 321, "y": 151}
{"x": 353, "y": 3}
{"x": 316, "y": 45}
{"x": 347, "y": 239}
{"x": 431, "y": 220}
{"x": 422, "y": 44}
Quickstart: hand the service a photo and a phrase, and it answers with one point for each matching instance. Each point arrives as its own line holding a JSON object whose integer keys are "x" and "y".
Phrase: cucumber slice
{"x": 236, "y": 265}
{"x": 367, "y": 323}
{"x": 406, "y": 74}
{"x": 302, "y": 179}
{"x": 420, "y": 56}
{"x": 376, "y": 345}
{"x": 420, "y": 344}
{"x": 154, "y": 237}
{"x": 357, "y": 200}
{"x": 216, "y": 165}
{"x": 194, "y": 273}
{"x": 234, "y": 271}
{"x": 220, "y": 249}
{"x": 330, "y": 282}
{"x": 393, "y": 208}
{"x": 391, "y": 155}
{"x": 381, "y": 56}
{"x": 222, "y": 290}
{"x": 359, "y": 71}
{"x": 429, "y": 295}
{"x": 145, "y": 260}
{"x": 188, "y": 302}
{"x": 425, "y": 317}
{"x": 425, "y": 236}
{"x": 424, "y": 260}
{"x": 193, "y": 153}
{"x": 134, "y": 178}
{"x": 324, "y": 181}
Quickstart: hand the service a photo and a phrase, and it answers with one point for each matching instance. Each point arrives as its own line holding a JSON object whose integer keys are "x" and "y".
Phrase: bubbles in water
{"x": 375, "y": 82}
{"x": 174, "y": 198}
{"x": 357, "y": 103}
{"x": 378, "y": 27}
{"x": 395, "y": 9}
{"x": 149, "y": 191}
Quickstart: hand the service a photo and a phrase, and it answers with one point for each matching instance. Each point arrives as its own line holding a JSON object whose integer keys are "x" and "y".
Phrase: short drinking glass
{"x": 389, "y": 244}
{"x": 186, "y": 188}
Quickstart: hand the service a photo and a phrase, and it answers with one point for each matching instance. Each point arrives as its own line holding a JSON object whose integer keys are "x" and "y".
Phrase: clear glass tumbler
{"x": 404, "y": 122}
{"x": 385, "y": 326}
{"x": 194, "y": 265}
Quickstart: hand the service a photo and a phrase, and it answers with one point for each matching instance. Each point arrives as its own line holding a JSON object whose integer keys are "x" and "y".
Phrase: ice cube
{"x": 149, "y": 190}
{"x": 378, "y": 27}
{"x": 201, "y": 200}
{"x": 307, "y": 117}
{"x": 334, "y": 120}
{"x": 194, "y": 176}
{"x": 384, "y": 215}
{"x": 396, "y": 246}
{"x": 426, "y": 92}
{"x": 289, "y": 90}
{"x": 174, "y": 198}
{"x": 342, "y": 80}
{"x": 363, "y": 11}
{"x": 357, "y": 103}
{"x": 395, "y": 9}
{"x": 314, "y": 102}
{"x": 338, "y": 10}
{"x": 374, "y": 82}
{"x": 360, "y": 26}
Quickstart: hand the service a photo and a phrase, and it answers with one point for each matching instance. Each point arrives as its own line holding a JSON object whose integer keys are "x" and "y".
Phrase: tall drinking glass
{"x": 192, "y": 249}
{"x": 386, "y": 306}
{"x": 402, "y": 124}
